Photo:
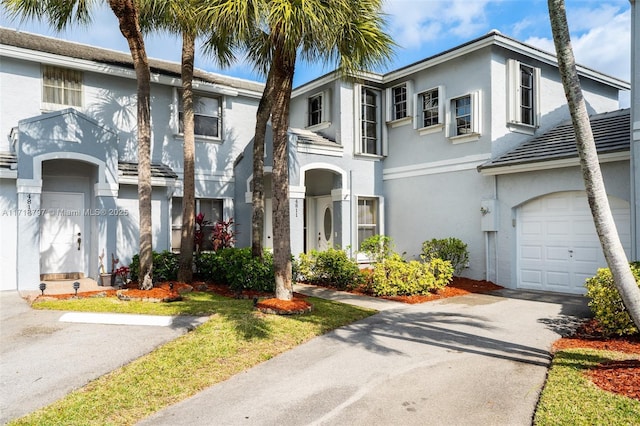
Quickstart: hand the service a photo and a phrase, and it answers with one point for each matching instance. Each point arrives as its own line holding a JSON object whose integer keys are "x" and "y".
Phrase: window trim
{"x": 514, "y": 93}
{"x": 177, "y": 102}
{"x": 390, "y": 118}
{"x": 377, "y": 217}
{"x": 476, "y": 119}
{"x": 53, "y": 106}
{"x": 325, "y": 111}
{"x": 198, "y": 209}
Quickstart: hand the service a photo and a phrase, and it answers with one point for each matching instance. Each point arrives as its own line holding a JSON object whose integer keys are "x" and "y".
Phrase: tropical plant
{"x": 396, "y": 276}
{"x": 223, "y": 235}
{"x": 275, "y": 33}
{"x": 331, "y": 267}
{"x": 594, "y": 184}
{"x": 451, "y": 249}
{"x": 377, "y": 247}
{"x": 62, "y": 13}
{"x": 184, "y": 17}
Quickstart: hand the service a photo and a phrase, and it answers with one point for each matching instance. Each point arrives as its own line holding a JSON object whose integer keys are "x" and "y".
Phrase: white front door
{"x": 558, "y": 247}
{"x": 62, "y": 237}
{"x": 324, "y": 223}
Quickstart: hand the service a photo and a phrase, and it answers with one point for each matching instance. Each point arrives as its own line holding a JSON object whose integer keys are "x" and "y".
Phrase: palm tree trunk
{"x": 284, "y": 67}
{"x": 592, "y": 176}
{"x": 127, "y": 14}
{"x": 185, "y": 269}
{"x": 257, "y": 198}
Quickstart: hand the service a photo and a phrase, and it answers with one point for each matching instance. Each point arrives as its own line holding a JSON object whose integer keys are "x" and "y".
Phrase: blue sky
{"x": 421, "y": 28}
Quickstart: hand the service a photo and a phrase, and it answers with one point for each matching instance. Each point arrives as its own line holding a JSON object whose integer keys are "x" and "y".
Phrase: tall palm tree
{"x": 62, "y": 13}
{"x": 349, "y": 32}
{"x": 183, "y": 17}
{"x": 596, "y": 193}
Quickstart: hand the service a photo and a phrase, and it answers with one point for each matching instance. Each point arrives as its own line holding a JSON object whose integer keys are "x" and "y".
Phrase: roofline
{"x": 534, "y": 166}
{"x": 493, "y": 38}
{"x": 164, "y": 77}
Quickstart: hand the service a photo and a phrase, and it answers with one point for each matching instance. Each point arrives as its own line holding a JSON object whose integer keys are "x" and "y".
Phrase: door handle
{"x": 79, "y": 241}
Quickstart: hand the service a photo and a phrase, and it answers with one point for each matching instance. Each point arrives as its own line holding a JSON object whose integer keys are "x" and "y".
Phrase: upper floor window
{"x": 523, "y": 96}
{"x": 399, "y": 94}
{"x": 465, "y": 118}
{"x": 207, "y": 114}
{"x": 61, "y": 87}
{"x": 430, "y": 103}
{"x": 370, "y": 121}
{"x": 315, "y": 110}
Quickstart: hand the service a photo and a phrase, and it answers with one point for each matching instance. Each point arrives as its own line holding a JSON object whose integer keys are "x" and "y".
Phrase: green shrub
{"x": 165, "y": 266}
{"x": 606, "y": 303}
{"x": 236, "y": 268}
{"x": 377, "y": 247}
{"x": 451, "y": 249}
{"x": 331, "y": 267}
{"x": 397, "y": 277}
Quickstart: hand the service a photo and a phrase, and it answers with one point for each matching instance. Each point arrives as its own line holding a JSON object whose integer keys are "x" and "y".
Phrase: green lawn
{"x": 235, "y": 338}
{"x": 569, "y": 398}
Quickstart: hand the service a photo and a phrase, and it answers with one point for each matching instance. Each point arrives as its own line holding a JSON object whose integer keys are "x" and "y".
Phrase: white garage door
{"x": 558, "y": 247}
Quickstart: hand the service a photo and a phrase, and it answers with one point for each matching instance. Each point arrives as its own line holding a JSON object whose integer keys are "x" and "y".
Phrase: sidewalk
{"x": 470, "y": 360}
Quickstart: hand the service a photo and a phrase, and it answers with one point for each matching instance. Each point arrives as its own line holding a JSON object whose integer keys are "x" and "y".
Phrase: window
{"x": 462, "y": 115}
{"x": 367, "y": 218}
{"x": 399, "y": 94}
{"x": 61, "y": 87}
{"x": 206, "y": 116}
{"x": 465, "y": 118}
{"x": 315, "y": 110}
{"x": 212, "y": 210}
{"x": 370, "y": 121}
{"x": 523, "y": 83}
{"x": 430, "y": 108}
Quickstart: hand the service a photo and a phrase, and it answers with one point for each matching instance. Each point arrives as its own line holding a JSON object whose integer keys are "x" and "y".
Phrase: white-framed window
{"x": 368, "y": 218}
{"x": 370, "y": 121}
{"x": 399, "y": 106}
{"x": 207, "y": 115}
{"x": 212, "y": 210}
{"x": 61, "y": 88}
{"x": 523, "y": 88}
{"x": 464, "y": 113}
{"x": 318, "y": 110}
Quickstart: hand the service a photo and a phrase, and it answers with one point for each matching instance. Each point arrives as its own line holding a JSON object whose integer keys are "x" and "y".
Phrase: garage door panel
{"x": 558, "y": 247}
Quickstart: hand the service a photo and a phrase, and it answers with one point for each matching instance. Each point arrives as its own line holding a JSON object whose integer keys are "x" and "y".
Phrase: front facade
{"x": 433, "y": 150}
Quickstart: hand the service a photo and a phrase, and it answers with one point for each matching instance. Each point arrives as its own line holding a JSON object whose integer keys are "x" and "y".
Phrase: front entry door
{"x": 324, "y": 223}
{"x": 62, "y": 237}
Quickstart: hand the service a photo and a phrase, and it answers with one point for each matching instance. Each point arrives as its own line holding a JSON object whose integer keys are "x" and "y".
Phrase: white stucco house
{"x": 471, "y": 143}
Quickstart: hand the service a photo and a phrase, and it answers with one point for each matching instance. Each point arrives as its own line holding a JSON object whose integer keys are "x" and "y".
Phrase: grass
{"x": 235, "y": 338}
{"x": 569, "y": 398}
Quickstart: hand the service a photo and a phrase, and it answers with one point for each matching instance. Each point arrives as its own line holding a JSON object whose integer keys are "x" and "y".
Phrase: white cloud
{"x": 413, "y": 22}
{"x": 601, "y": 41}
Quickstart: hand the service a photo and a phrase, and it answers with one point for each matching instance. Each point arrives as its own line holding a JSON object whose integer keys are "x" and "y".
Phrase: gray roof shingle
{"x": 611, "y": 131}
{"x": 55, "y": 46}
{"x": 8, "y": 160}
{"x": 312, "y": 138}
{"x": 157, "y": 170}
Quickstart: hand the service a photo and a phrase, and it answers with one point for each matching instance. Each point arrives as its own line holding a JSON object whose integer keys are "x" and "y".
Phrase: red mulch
{"x": 458, "y": 287}
{"x": 620, "y": 377}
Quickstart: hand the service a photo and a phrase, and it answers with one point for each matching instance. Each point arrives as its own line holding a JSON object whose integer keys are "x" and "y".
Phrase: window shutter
{"x": 326, "y": 105}
{"x": 441, "y": 105}
{"x": 417, "y": 110}
{"x": 389, "y": 103}
{"x": 513, "y": 91}
{"x": 357, "y": 131}
{"x": 476, "y": 118}
{"x": 536, "y": 96}
{"x": 409, "y": 87}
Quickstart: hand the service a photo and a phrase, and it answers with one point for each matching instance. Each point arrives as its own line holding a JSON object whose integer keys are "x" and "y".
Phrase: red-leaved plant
{"x": 223, "y": 235}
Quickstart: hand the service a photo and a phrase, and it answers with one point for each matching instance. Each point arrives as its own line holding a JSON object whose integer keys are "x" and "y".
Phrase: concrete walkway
{"x": 470, "y": 360}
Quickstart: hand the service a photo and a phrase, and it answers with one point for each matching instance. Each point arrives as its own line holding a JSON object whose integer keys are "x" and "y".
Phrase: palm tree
{"x": 596, "y": 193}
{"x": 61, "y": 13}
{"x": 347, "y": 31}
{"x": 183, "y": 17}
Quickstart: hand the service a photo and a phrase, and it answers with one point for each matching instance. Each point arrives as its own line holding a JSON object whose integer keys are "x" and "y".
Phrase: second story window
{"x": 206, "y": 116}
{"x": 399, "y": 94}
{"x": 464, "y": 113}
{"x": 523, "y": 90}
{"x": 315, "y": 110}
{"x": 370, "y": 121}
{"x": 430, "y": 108}
{"x": 61, "y": 87}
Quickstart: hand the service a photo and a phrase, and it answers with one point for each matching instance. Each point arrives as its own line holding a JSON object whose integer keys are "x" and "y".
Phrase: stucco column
{"x": 341, "y": 219}
{"x": 28, "y": 244}
{"x": 635, "y": 131}
{"x": 296, "y": 203}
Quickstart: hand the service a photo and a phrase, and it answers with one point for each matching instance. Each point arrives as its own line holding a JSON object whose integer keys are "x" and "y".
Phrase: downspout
{"x": 351, "y": 233}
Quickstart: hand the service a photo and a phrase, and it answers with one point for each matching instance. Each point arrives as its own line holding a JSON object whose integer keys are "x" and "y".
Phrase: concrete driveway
{"x": 471, "y": 360}
{"x": 43, "y": 357}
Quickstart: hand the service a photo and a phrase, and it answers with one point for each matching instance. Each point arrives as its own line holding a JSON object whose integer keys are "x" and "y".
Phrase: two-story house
{"x": 470, "y": 143}
{"x": 68, "y": 172}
